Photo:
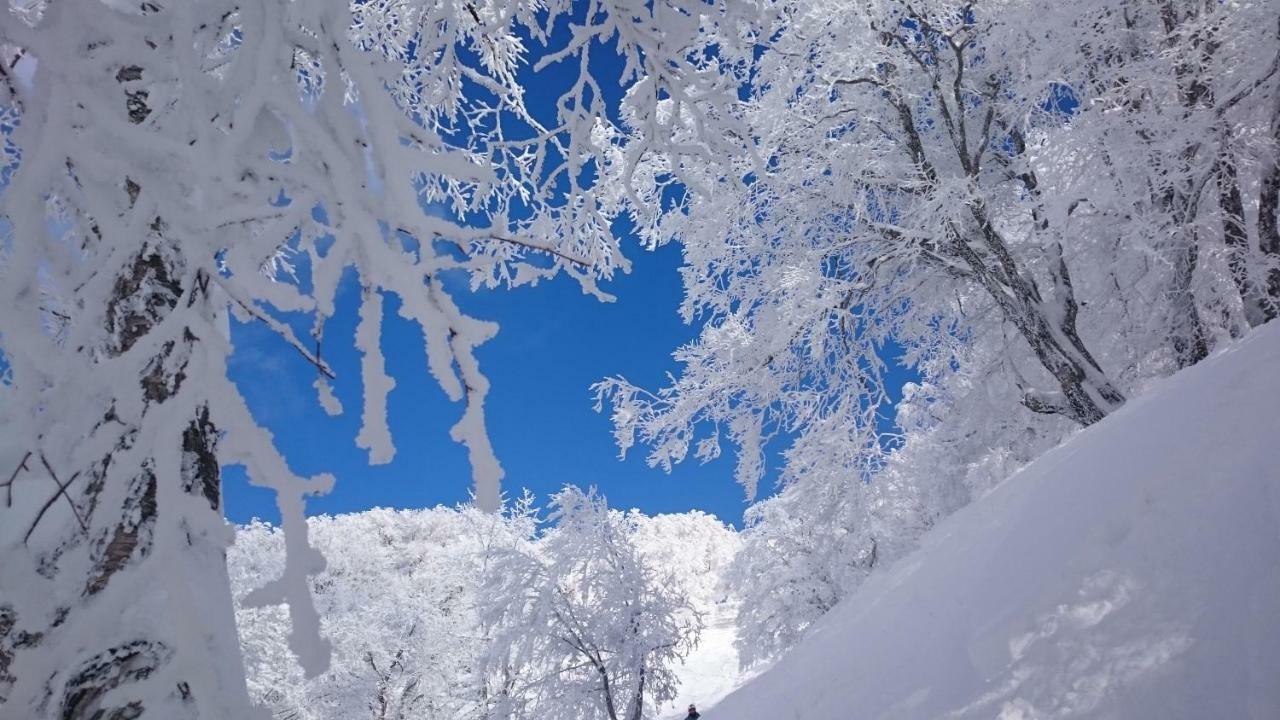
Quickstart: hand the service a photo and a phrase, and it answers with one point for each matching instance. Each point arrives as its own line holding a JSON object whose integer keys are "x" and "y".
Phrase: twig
{"x": 62, "y": 490}
{"x": 9, "y": 483}
{"x": 280, "y": 328}
{"x": 529, "y": 244}
{"x": 586, "y": 264}
{"x": 1245, "y": 92}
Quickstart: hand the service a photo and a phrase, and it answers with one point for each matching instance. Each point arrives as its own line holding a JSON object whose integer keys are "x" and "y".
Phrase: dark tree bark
{"x": 1187, "y": 335}
{"x": 149, "y": 533}
{"x": 1186, "y": 329}
{"x": 1236, "y": 236}
{"x": 1269, "y": 217}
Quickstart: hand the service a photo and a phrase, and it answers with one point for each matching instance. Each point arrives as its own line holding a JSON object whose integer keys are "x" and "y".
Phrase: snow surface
{"x": 711, "y": 671}
{"x": 1133, "y": 572}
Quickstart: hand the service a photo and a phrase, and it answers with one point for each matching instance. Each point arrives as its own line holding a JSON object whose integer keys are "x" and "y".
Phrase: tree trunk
{"x": 1269, "y": 217}
{"x": 1186, "y": 329}
{"x": 1235, "y": 235}
{"x": 1086, "y": 394}
{"x": 137, "y": 617}
{"x": 1187, "y": 334}
{"x": 606, "y": 687}
{"x": 139, "y": 633}
{"x": 637, "y": 708}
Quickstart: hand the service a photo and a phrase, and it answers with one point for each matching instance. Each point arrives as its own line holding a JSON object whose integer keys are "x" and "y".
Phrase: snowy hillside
{"x": 1133, "y": 572}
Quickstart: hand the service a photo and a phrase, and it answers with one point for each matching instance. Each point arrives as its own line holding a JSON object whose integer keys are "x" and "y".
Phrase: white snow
{"x": 711, "y": 671}
{"x": 1133, "y": 572}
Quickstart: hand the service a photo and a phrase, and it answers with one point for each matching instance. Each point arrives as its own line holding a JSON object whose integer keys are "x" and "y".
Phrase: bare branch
{"x": 9, "y": 483}
{"x": 62, "y": 490}
{"x": 284, "y": 331}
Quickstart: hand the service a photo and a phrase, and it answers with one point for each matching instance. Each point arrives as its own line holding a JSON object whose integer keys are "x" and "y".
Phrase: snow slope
{"x": 1133, "y": 572}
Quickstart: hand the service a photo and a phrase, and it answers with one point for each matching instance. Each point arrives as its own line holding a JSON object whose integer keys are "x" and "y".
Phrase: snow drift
{"x": 1133, "y": 572}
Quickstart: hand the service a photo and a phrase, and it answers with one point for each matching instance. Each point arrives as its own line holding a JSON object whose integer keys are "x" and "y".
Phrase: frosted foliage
{"x": 806, "y": 549}
{"x": 694, "y": 547}
{"x": 168, "y": 165}
{"x": 584, "y": 625}
{"x": 404, "y": 598}
{"x": 397, "y": 599}
{"x": 1034, "y": 208}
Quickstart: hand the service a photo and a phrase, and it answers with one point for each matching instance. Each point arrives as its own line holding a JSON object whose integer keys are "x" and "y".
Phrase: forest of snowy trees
{"x": 1032, "y": 209}
{"x": 455, "y": 614}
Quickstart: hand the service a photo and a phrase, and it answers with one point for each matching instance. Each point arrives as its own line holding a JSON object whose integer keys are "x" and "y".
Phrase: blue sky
{"x": 553, "y": 344}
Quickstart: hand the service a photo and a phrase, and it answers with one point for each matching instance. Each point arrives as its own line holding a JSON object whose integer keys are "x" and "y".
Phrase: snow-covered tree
{"x": 583, "y": 625}
{"x": 810, "y": 545}
{"x": 919, "y": 179}
{"x": 1035, "y": 207}
{"x": 171, "y": 164}
{"x": 397, "y": 599}
{"x": 1169, "y": 138}
{"x": 695, "y": 547}
{"x": 400, "y": 599}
